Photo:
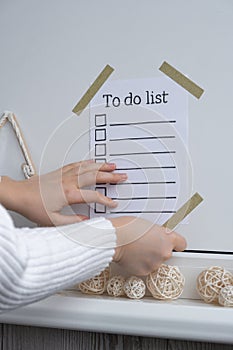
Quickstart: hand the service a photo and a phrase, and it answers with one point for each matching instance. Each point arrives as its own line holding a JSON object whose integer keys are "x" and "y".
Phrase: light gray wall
{"x": 52, "y": 50}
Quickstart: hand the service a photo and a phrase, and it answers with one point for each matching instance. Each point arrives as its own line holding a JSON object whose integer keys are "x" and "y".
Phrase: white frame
{"x": 179, "y": 319}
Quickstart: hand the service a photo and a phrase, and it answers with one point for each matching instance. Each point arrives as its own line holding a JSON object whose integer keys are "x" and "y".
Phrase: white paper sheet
{"x": 142, "y": 126}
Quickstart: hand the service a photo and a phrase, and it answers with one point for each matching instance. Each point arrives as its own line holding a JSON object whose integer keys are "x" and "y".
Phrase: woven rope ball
{"x": 225, "y": 297}
{"x": 166, "y": 283}
{"x": 134, "y": 288}
{"x": 115, "y": 286}
{"x": 211, "y": 281}
{"x": 96, "y": 284}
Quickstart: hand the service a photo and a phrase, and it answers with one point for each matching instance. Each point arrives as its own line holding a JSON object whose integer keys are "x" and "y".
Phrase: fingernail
{"x": 112, "y": 165}
{"x": 168, "y": 231}
{"x": 124, "y": 176}
{"x": 112, "y": 202}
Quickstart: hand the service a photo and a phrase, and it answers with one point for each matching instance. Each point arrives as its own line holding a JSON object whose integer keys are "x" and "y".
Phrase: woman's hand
{"x": 142, "y": 246}
{"x": 41, "y": 198}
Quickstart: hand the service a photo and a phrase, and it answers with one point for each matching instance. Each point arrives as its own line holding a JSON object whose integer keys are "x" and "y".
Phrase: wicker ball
{"x": 166, "y": 283}
{"x": 225, "y": 297}
{"x": 134, "y": 288}
{"x": 211, "y": 281}
{"x": 115, "y": 286}
{"x": 95, "y": 285}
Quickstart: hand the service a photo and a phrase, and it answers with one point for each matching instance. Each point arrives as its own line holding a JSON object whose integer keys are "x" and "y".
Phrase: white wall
{"x": 52, "y": 50}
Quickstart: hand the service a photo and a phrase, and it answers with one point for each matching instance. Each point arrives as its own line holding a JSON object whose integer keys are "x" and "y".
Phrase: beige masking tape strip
{"x": 181, "y": 79}
{"x": 185, "y": 210}
{"x": 93, "y": 89}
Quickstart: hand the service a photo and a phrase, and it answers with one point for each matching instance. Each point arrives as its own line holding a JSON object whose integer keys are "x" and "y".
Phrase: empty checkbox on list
{"x": 100, "y": 135}
{"x": 100, "y": 149}
{"x": 100, "y": 208}
{"x": 101, "y": 160}
{"x": 100, "y": 120}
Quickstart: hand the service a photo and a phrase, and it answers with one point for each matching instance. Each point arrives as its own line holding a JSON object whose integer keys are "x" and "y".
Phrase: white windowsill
{"x": 180, "y": 319}
{"x": 186, "y": 318}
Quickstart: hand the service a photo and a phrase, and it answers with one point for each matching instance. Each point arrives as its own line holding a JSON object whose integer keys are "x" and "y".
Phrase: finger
{"x": 60, "y": 219}
{"x": 179, "y": 242}
{"x": 76, "y": 165}
{"x": 89, "y": 196}
{"x": 92, "y": 178}
{"x": 96, "y": 167}
{"x": 81, "y": 169}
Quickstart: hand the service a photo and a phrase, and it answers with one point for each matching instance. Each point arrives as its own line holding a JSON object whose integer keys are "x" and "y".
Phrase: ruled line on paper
{"x": 143, "y": 123}
{"x": 138, "y": 198}
{"x": 144, "y": 183}
{"x": 144, "y": 211}
{"x": 143, "y": 138}
{"x": 140, "y": 153}
{"x": 148, "y": 167}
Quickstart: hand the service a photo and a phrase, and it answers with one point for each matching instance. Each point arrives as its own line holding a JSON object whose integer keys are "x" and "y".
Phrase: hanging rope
{"x": 28, "y": 167}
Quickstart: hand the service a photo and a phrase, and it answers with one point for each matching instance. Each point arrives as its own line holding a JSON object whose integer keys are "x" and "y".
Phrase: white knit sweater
{"x": 37, "y": 262}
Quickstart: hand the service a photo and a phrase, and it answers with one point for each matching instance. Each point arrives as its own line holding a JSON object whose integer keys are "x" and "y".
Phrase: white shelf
{"x": 180, "y": 319}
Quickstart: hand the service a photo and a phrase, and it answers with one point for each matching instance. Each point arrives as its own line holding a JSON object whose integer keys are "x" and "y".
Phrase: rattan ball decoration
{"x": 166, "y": 283}
{"x": 134, "y": 288}
{"x": 225, "y": 297}
{"x": 211, "y": 281}
{"x": 96, "y": 284}
{"x": 115, "y": 286}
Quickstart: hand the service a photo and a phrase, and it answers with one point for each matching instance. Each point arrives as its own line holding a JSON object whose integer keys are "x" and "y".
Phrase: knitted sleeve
{"x": 37, "y": 262}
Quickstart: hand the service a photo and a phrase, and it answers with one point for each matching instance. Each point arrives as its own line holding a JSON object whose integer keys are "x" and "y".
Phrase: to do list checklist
{"x": 142, "y": 126}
